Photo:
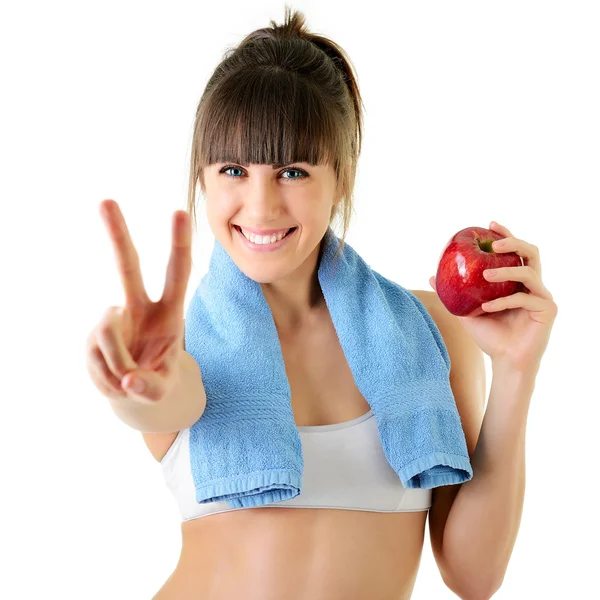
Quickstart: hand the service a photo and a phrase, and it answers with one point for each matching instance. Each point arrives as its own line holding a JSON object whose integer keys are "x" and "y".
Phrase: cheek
{"x": 220, "y": 210}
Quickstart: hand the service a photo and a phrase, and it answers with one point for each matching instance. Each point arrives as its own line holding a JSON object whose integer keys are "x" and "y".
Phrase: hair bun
{"x": 294, "y": 25}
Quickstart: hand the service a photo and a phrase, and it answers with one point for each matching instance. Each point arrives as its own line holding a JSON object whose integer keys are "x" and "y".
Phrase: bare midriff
{"x": 272, "y": 553}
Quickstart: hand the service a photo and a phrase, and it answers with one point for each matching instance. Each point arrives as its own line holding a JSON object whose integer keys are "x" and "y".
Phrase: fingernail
{"x": 137, "y": 385}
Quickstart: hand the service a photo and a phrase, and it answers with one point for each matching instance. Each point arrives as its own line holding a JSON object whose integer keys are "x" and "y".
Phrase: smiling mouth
{"x": 290, "y": 231}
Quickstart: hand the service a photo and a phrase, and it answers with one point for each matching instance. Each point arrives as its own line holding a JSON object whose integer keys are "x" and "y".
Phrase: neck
{"x": 295, "y": 300}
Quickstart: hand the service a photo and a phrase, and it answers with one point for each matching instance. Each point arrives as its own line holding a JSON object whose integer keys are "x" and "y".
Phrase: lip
{"x": 264, "y": 247}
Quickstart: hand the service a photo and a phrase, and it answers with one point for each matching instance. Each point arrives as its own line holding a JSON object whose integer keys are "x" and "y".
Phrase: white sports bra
{"x": 344, "y": 468}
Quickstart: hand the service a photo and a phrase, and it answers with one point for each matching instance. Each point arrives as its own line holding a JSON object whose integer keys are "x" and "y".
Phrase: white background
{"x": 475, "y": 111}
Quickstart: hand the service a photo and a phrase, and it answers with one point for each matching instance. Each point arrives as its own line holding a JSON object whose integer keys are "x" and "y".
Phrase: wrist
{"x": 507, "y": 371}
{"x": 511, "y": 388}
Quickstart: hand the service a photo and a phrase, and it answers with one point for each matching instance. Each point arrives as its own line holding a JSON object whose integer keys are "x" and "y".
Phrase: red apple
{"x": 459, "y": 280}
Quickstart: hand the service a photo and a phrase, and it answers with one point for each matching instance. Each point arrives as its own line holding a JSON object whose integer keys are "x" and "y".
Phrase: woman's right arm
{"x": 144, "y": 341}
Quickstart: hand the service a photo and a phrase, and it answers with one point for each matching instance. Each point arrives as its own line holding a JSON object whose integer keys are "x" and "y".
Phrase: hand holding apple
{"x": 513, "y": 327}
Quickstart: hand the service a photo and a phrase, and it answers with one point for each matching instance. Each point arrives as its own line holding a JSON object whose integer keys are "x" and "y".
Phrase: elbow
{"x": 481, "y": 593}
{"x": 485, "y": 596}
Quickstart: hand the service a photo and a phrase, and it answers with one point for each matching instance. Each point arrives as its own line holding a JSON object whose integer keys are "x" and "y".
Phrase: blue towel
{"x": 246, "y": 449}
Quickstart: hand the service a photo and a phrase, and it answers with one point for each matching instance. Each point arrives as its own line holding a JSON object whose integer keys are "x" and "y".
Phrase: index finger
{"x": 125, "y": 253}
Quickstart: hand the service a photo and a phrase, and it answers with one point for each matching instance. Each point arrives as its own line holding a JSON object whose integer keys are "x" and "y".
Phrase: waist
{"x": 298, "y": 554}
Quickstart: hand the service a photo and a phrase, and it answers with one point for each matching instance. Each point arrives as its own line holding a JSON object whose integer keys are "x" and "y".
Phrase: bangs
{"x": 268, "y": 116}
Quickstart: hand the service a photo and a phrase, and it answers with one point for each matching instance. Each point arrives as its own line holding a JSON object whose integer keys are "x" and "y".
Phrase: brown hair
{"x": 282, "y": 95}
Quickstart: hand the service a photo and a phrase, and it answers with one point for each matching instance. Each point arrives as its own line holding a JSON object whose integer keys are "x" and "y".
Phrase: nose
{"x": 263, "y": 202}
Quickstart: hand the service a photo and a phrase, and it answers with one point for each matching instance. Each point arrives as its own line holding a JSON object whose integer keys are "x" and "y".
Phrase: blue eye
{"x": 302, "y": 172}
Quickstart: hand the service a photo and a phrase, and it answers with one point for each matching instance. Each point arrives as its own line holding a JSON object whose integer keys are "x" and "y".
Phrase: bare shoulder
{"x": 467, "y": 362}
{"x": 438, "y": 312}
{"x": 448, "y": 324}
{"x": 426, "y": 297}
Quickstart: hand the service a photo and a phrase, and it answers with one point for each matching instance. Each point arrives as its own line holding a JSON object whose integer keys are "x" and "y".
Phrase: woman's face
{"x": 262, "y": 197}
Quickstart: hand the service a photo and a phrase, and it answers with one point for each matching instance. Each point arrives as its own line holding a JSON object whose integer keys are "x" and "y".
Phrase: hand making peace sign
{"x": 141, "y": 340}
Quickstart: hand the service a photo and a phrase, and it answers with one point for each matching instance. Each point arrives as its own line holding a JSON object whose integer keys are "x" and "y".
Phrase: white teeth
{"x": 264, "y": 239}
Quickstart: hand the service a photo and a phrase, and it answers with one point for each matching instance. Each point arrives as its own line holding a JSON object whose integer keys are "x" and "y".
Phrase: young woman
{"x": 276, "y": 142}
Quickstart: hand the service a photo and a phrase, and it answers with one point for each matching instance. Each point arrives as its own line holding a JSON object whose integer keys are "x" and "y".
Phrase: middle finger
{"x": 528, "y": 276}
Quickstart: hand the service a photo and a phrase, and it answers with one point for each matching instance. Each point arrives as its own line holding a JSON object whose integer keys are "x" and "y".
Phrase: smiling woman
{"x": 276, "y": 142}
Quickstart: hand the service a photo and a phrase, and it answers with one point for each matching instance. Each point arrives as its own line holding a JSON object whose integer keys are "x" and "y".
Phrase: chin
{"x": 261, "y": 273}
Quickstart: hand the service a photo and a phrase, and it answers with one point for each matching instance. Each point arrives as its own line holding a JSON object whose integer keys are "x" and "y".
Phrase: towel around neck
{"x": 246, "y": 449}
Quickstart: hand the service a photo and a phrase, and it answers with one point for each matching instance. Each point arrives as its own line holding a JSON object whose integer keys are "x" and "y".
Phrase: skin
{"x": 297, "y": 554}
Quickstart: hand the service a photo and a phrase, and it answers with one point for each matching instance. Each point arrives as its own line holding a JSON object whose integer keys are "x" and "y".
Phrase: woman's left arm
{"x": 484, "y": 519}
